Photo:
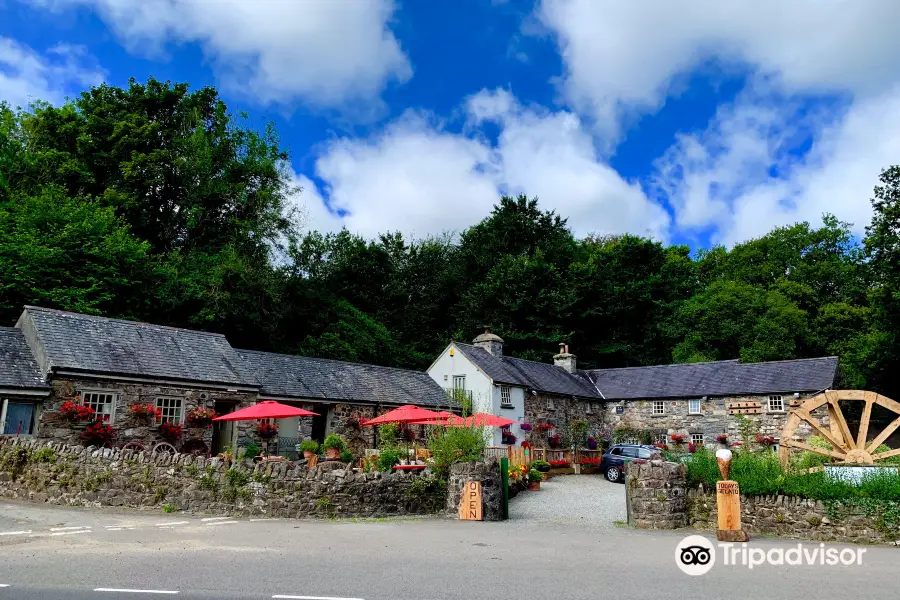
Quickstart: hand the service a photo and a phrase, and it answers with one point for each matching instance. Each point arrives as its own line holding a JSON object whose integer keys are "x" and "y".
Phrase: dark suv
{"x": 613, "y": 462}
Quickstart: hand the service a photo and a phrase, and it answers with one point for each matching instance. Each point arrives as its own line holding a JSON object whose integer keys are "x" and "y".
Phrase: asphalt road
{"x": 416, "y": 559}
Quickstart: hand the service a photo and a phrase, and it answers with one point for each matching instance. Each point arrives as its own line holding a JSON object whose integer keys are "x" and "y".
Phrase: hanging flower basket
{"x": 508, "y": 438}
{"x": 677, "y": 438}
{"x": 555, "y": 441}
{"x": 171, "y": 433}
{"x": 98, "y": 433}
{"x": 144, "y": 413}
{"x": 525, "y": 427}
{"x": 592, "y": 443}
{"x": 200, "y": 417}
{"x": 76, "y": 413}
{"x": 722, "y": 438}
{"x": 267, "y": 431}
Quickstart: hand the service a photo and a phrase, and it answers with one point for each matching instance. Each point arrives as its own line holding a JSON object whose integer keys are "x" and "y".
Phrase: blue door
{"x": 19, "y": 418}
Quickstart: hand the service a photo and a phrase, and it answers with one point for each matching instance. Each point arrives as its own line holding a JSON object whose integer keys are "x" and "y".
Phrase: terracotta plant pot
{"x": 308, "y": 454}
{"x": 332, "y": 453}
{"x": 534, "y": 486}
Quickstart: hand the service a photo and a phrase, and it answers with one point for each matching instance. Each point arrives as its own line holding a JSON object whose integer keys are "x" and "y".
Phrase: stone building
{"x": 641, "y": 404}
{"x": 51, "y": 357}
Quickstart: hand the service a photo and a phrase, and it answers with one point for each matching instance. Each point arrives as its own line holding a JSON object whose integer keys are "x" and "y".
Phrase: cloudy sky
{"x": 697, "y": 121}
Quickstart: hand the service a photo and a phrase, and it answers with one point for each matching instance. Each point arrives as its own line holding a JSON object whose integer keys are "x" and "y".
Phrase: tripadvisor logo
{"x": 696, "y": 555}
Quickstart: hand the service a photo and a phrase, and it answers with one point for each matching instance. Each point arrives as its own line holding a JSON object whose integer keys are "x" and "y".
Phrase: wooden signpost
{"x": 470, "y": 502}
{"x": 728, "y": 503}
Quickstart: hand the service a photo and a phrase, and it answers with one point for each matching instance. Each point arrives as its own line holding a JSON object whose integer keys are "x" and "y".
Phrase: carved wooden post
{"x": 728, "y": 502}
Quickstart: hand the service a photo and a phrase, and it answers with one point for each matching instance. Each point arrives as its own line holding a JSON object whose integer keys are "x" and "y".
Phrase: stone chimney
{"x": 564, "y": 359}
{"x": 490, "y": 342}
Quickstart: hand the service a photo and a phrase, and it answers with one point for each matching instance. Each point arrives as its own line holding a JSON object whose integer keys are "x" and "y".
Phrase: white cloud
{"x": 721, "y": 179}
{"x": 418, "y": 178}
{"x": 26, "y": 75}
{"x": 622, "y": 57}
{"x": 323, "y": 52}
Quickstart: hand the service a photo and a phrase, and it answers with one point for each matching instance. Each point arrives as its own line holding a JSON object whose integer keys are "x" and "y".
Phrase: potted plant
{"x": 75, "y": 413}
{"x": 309, "y": 448}
{"x": 555, "y": 441}
{"x": 508, "y": 437}
{"x": 98, "y": 433}
{"x": 144, "y": 413}
{"x": 200, "y": 417}
{"x": 677, "y": 438}
{"x": 266, "y": 430}
{"x": 170, "y": 432}
{"x": 592, "y": 443}
{"x": 540, "y": 465}
{"x": 334, "y": 445}
{"x": 534, "y": 480}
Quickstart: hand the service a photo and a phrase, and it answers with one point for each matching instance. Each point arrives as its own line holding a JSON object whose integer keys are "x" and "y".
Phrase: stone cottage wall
{"x": 656, "y": 494}
{"x": 488, "y": 473}
{"x": 560, "y": 411}
{"x": 75, "y": 476}
{"x": 63, "y": 389}
{"x": 713, "y": 420}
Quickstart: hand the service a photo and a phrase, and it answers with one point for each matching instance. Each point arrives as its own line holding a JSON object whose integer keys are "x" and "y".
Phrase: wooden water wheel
{"x": 847, "y": 448}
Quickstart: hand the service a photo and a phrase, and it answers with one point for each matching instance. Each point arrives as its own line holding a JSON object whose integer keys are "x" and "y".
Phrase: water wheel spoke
{"x": 835, "y": 413}
{"x": 836, "y": 453}
{"x": 886, "y": 454}
{"x": 825, "y": 433}
{"x": 863, "y": 432}
{"x": 884, "y": 435}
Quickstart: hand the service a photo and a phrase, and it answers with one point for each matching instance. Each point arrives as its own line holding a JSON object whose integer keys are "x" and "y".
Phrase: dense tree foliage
{"x": 153, "y": 202}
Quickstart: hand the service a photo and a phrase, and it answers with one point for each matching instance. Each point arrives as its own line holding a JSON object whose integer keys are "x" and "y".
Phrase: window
{"x": 459, "y": 382}
{"x": 505, "y": 396}
{"x": 631, "y": 452}
{"x": 19, "y": 418}
{"x": 550, "y": 405}
{"x": 171, "y": 410}
{"x": 644, "y": 453}
{"x": 661, "y": 438}
{"x": 103, "y": 403}
{"x": 694, "y": 407}
{"x": 776, "y": 404}
{"x": 697, "y": 439}
{"x": 659, "y": 407}
{"x": 616, "y": 451}
{"x": 589, "y": 408}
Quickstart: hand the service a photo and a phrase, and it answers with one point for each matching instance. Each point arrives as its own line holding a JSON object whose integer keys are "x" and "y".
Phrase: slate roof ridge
{"x": 505, "y": 356}
{"x": 713, "y": 362}
{"x": 118, "y": 320}
{"x": 332, "y": 360}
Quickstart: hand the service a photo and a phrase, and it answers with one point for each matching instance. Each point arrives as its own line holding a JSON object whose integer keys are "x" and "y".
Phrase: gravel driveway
{"x": 584, "y": 499}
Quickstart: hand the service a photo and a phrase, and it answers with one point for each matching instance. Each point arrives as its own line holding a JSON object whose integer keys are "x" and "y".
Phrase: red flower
{"x": 559, "y": 463}
{"x": 661, "y": 446}
{"x": 590, "y": 462}
{"x": 171, "y": 432}
{"x": 555, "y": 440}
{"x": 75, "y": 412}
{"x": 677, "y": 438}
{"x": 722, "y": 438}
{"x": 692, "y": 447}
{"x": 200, "y": 417}
{"x": 98, "y": 433}
{"x": 144, "y": 411}
{"x": 266, "y": 430}
{"x": 545, "y": 427}
{"x": 765, "y": 440}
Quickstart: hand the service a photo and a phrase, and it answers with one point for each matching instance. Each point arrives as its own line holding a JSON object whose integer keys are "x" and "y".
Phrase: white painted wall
{"x": 453, "y": 362}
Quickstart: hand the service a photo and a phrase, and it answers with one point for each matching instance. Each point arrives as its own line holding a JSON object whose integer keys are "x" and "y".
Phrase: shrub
{"x": 455, "y": 444}
{"x": 251, "y": 451}
{"x": 387, "y": 459}
{"x": 540, "y": 465}
{"x": 346, "y": 456}
{"x": 535, "y": 475}
{"x": 334, "y": 441}
{"x": 309, "y": 446}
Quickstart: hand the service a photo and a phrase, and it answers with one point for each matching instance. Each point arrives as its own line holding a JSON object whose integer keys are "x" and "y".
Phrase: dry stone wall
{"x": 656, "y": 494}
{"x": 75, "y": 476}
{"x": 488, "y": 473}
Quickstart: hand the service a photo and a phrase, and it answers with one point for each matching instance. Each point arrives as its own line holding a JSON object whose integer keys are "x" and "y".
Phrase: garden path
{"x": 583, "y": 499}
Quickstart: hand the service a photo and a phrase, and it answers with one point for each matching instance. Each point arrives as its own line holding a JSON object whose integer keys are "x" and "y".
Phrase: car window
{"x": 644, "y": 453}
{"x": 632, "y": 452}
{"x": 616, "y": 451}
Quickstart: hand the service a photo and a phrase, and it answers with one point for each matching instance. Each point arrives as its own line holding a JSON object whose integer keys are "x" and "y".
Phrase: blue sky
{"x": 691, "y": 121}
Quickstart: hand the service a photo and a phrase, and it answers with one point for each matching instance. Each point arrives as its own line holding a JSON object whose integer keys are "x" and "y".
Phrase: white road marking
{"x": 172, "y": 523}
{"x": 114, "y": 529}
{"x": 72, "y": 532}
{"x": 4, "y": 585}
{"x": 16, "y": 532}
{"x": 124, "y": 591}
{"x": 315, "y": 597}
{"x": 257, "y": 520}
{"x": 69, "y": 528}
{"x": 223, "y": 523}
{"x": 214, "y": 519}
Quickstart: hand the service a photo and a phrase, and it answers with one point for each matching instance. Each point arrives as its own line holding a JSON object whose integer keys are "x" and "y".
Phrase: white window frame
{"x": 506, "y": 396}
{"x": 659, "y": 407}
{"x": 550, "y": 404}
{"x": 109, "y": 408}
{"x": 697, "y": 438}
{"x": 775, "y": 401}
{"x": 695, "y": 402}
{"x": 459, "y": 382}
{"x": 165, "y": 403}
{"x": 589, "y": 410}
{"x": 662, "y": 438}
{"x": 35, "y": 416}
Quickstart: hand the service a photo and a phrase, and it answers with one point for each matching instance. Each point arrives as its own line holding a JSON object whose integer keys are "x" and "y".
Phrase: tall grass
{"x": 761, "y": 473}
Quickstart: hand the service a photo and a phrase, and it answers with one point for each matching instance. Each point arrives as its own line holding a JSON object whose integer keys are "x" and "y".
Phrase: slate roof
{"x": 543, "y": 377}
{"x": 18, "y": 369}
{"x": 290, "y": 376}
{"x": 721, "y": 378}
{"x": 100, "y": 345}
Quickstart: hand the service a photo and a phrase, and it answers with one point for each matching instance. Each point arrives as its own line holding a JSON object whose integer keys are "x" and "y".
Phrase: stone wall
{"x": 797, "y": 518}
{"x": 560, "y": 411}
{"x": 53, "y": 428}
{"x": 488, "y": 473}
{"x": 657, "y": 497}
{"x": 75, "y": 476}
{"x": 712, "y": 420}
{"x": 656, "y": 494}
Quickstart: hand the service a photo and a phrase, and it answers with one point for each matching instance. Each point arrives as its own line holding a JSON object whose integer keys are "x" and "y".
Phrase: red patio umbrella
{"x": 480, "y": 420}
{"x": 267, "y": 409}
{"x": 409, "y": 414}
